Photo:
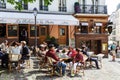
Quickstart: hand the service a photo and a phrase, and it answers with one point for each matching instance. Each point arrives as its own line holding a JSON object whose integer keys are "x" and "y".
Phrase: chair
{"x": 80, "y": 68}
{"x": 27, "y": 61}
{"x": 53, "y": 67}
{"x": 13, "y": 58}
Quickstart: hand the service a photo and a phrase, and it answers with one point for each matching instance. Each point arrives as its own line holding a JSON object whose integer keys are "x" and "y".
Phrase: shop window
{"x": 62, "y": 31}
{"x": 97, "y": 29}
{"x": 12, "y": 31}
{"x": 84, "y": 29}
{"x": 43, "y": 31}
{"x": 32, "y": 31}
{"x": 2, "y": 30}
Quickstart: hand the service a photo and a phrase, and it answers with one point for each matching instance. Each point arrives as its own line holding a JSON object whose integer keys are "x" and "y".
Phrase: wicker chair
{"x": 13, "y": 58}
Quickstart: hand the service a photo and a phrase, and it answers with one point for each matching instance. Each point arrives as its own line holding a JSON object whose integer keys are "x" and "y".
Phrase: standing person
{"x": 4, "y": 51}
{"x": 113, "y": 50}
{"x": 24, "y": 35}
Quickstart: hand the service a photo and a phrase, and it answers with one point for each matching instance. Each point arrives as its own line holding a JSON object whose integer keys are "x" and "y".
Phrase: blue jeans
{"x": 63, "y": 65}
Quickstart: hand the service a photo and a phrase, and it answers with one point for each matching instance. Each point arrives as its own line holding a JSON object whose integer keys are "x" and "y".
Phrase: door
{"x": 23, "y": 32}
{"x": 62, "y": 35}
{"x": 43, "y": 33}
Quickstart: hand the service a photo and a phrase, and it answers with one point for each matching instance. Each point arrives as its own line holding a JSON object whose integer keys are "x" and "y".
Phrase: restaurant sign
{"x": 38, "y": 21}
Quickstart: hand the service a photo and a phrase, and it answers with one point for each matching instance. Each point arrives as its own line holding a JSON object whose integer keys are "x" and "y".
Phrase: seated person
{"x": 51, "y": 53}
{"x": 89, "y": 58}
{"x": 78, "y": 60}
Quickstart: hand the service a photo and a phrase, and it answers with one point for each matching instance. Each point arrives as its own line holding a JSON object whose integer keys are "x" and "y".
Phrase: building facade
{"x": 54, "y": 20}
{"x": 115, "y": 18}
{"x": 92, "y": 31}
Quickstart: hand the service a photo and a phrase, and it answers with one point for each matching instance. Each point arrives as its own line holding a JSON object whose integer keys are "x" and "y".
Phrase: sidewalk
{"x": 109, "y": 71}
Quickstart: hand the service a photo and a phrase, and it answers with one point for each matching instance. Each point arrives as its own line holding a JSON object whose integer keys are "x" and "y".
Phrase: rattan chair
{"x": 13, "y": 58}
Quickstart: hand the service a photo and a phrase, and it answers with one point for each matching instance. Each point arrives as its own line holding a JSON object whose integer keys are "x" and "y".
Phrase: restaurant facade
{"x": 61, "y": 27}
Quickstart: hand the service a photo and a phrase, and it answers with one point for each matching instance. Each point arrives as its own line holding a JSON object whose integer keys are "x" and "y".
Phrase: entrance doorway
{"x": 92, "y": 45}
{"x": 23, "y": 33}
{"x": 62, "y": 35}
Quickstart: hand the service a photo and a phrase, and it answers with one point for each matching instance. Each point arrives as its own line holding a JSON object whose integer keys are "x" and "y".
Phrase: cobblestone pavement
{"x": 109, "y": 71}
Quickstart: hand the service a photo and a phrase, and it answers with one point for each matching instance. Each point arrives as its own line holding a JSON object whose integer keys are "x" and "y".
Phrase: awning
{"x": 44, "y": 19}
{"x": 98, "y": 24}
{"x": 84, "y": 23}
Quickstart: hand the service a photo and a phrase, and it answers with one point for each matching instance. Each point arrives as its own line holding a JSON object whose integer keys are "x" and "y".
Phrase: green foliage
{"x": 18, "y": 3}
{"x": 52, "y": 40}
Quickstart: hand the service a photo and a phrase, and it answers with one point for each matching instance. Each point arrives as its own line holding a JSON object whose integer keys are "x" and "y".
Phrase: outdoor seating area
{"x": 53, "y": 61}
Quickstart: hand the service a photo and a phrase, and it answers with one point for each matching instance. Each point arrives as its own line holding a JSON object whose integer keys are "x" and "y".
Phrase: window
{"x": 62, "y": 31}
{"x": 12, "y": 30}
{"x": 32, "y": 31}
{"x": 84, "y": 29}
{"x": 24, "y": 5}
{"x": 2, "y": 4}
{"x": 2, "y": 30}
{"x": 97, "y": 29}
{"x": 42, "y": 5}
{"x": 62, "y": 5}
{"x": 43, "y": 31}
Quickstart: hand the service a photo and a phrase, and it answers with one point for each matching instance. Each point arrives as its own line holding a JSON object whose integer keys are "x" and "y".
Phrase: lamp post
{"x": 35, "y": 15}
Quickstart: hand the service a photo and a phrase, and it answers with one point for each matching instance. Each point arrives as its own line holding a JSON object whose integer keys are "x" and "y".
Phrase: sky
{"x": 112, "y": 5}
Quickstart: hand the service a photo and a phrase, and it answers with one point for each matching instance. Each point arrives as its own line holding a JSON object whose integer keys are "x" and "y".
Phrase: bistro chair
{"x": 54, "y": 67}
{"x": 13, "y": 58}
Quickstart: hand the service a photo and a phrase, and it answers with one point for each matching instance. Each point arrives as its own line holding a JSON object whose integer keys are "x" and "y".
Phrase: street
{"x": 109, "y": 71}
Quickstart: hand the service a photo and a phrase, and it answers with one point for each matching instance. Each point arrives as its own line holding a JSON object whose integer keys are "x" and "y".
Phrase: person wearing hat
{"x": 52, "y": 53}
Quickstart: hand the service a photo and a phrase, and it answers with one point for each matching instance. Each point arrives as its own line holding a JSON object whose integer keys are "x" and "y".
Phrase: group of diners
{"x": 72, "y": 56}
{"x": 13, "y": 47}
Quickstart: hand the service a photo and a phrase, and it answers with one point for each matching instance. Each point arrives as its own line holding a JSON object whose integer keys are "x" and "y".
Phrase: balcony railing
{"x": 3, "y": 5}
{"x": 44, "y": 8}
{"x": 62, "y": 9}
{"x": 92, "y": 9}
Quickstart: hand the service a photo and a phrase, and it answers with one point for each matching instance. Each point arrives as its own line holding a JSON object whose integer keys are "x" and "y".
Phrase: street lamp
{"x": 35, "y": 15}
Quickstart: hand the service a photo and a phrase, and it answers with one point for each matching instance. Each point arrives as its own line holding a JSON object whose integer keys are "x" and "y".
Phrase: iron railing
{"x": 63, "y": 9}
{"x": 44, "y": 8}
{"x": 93, "y": 9}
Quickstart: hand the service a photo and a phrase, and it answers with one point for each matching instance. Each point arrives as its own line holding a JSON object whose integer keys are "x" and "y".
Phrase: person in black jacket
{"x": 24, "y": 51}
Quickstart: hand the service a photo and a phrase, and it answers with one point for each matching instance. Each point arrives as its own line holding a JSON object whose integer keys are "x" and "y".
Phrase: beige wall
{"x": 53, "y": 31}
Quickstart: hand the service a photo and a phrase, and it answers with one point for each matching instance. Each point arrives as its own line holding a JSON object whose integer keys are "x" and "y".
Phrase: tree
{"x": 18, "y": 3}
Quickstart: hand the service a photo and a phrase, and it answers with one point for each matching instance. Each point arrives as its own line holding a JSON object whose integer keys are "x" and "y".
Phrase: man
{"x": 24, "y": 51}
{"x": 51, "y": 53}
{"x": 89, "y": 58}
{"x": 113, "y": 50}
{"x": 23, "y": 35}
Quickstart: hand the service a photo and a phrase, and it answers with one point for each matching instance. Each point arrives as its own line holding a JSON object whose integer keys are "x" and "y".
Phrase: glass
{"x": 12, "y": 30}
{"x": 32, "y": 31}
{"x": 62, "y": 31}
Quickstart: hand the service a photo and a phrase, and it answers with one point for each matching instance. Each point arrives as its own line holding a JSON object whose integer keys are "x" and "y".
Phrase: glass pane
{"x": 32, "y": 31}
{"x": 12, "y": 30}
{"x": 84, "y": 29}
{"x": 62, "y": 31}
{"x": 43, "y": 31}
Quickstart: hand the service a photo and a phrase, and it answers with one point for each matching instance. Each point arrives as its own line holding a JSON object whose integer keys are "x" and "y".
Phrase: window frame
{"x": 11, "y": 25}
